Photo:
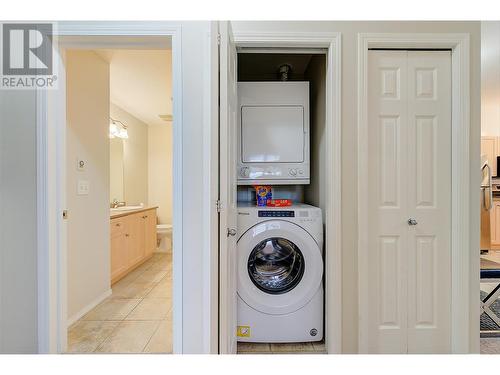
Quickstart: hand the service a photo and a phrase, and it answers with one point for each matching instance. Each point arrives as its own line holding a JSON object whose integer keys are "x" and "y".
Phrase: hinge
{"x": 65, "y": 214}
{"x": 218, "y": 39}
{"x": 218, "y": 205}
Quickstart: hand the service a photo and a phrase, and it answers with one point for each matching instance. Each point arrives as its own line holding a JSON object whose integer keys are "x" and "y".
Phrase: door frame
{"x": 51, "y": 164}
{"x": 333, "y": 224}
{"x": 460, "y": 200}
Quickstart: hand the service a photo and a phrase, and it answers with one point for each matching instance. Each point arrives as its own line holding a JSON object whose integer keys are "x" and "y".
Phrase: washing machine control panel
{"x": 279, "y": 213}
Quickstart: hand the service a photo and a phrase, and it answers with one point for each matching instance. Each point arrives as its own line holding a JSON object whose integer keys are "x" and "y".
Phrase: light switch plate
{"x": 83, "y": 187}
{"x": 80, "y": 164}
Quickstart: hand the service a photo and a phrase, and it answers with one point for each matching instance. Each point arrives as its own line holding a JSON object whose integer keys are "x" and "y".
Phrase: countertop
{"x": 116, "y": 214}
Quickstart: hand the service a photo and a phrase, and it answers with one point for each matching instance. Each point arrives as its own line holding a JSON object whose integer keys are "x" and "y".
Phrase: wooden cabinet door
{"x": 119, "y": 249}
{"x": 495, "y": 224}
{"x": 135, "y": 240}
{"x": 489, "y": 147}
{"x": 150, "y": 232}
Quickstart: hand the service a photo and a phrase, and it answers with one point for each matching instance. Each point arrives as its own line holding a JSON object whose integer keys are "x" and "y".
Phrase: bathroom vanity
{"x": 133, "y": 239}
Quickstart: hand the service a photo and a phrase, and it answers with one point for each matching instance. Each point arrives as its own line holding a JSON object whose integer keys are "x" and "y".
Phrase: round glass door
{"x": 276, "y": 265}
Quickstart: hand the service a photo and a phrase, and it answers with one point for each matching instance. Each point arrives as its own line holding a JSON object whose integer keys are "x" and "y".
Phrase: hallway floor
{"x": 295, "y": 348}
{"x": 490, "y": 345}
{"x": 136, "y": 318}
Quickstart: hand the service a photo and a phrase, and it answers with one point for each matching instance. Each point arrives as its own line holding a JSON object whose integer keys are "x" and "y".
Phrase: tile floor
{"x": 136, "y": 318}
{"x": 490, "y": 345}
{"x": 295, "y": 348}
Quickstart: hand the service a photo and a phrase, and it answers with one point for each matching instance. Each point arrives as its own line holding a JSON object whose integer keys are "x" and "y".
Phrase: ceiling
{"x": 141, "y": 82}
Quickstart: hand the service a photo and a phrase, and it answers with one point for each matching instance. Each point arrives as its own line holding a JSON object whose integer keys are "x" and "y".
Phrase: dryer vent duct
{"x": 284, "y": 71}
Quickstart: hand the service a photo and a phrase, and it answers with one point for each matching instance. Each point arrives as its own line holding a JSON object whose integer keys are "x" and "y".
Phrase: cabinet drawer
{"x": 149, "y": 214}
{"x": 117, "y": 226}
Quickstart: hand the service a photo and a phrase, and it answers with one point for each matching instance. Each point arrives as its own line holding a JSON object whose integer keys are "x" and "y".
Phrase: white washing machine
{"x": 280, "y": 274}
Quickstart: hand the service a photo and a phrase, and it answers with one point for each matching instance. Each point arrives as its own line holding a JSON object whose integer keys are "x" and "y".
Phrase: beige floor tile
{"x": 131, "y": 276}
{"x": 85, "y": 337}
{"x": 151, "y": 309}
{"x": 161, "y": 290}
{"x": 169, "y": 275}
{"x": 132, "y": 290}
{"x": 112, "y": 309}
{"x": 300, "y": 347}
{"x": 151, "y": 275}
{"x": 161, "y": 341}
{"x": 158, "y": 257}
{"x": 121, "y": 283}
{"x": 148, "y": 264}
{"x": 129, "y": 337}
{"x": 253, "y": 347}
{"x": 161, "y": 266}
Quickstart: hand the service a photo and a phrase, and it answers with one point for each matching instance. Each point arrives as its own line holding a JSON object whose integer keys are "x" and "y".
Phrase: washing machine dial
{"x": 292, "y": 172}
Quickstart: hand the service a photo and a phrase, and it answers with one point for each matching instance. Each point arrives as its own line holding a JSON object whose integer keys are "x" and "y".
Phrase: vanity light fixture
{"x": 117, "y": 129}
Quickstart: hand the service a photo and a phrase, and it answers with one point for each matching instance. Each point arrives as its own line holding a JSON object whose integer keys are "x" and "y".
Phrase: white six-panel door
{"x": 409, "y": 205}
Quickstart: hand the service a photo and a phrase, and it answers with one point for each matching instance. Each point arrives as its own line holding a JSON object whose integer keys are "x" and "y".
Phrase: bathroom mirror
{"x": 128, "y": 169}
{"x": 116, "y": 170}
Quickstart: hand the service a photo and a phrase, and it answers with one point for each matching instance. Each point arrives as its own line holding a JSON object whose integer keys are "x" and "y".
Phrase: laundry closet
{"x": 281, "y": 176}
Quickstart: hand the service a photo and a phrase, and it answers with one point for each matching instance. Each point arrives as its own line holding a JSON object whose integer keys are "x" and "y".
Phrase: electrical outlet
{"x": 83, "y": 187}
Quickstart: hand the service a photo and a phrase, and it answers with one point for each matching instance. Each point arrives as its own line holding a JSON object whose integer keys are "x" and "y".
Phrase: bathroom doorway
{"x": 119, "y": 131}
{"x": 84, "y": 123}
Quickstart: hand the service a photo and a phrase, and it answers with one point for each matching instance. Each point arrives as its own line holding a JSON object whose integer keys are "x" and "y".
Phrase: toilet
{"x": 164, "y": 237}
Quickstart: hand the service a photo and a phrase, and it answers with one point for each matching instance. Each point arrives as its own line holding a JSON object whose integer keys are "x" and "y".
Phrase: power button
{"x": 244, "y": 172}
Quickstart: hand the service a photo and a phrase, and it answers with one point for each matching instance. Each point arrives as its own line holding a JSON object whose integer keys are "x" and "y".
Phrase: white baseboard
{"x": 89, "y": 307}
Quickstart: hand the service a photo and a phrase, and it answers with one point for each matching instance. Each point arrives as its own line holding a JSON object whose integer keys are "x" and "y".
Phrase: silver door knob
{"x": 412, "y": 221}
{"x": 231, "y": 232}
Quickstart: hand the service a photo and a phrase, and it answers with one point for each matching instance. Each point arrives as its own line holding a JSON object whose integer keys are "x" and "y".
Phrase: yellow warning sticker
{"x": 243, "y": 331}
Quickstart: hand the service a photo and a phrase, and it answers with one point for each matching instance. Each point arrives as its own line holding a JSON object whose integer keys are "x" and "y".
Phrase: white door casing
{"x": 227, "y": 197}
{"x": 409, "y": 169}
{"x": 331, "y": 41}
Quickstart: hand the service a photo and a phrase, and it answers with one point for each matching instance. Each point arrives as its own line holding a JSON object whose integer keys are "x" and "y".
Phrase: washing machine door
{"x": 280, "y": 267}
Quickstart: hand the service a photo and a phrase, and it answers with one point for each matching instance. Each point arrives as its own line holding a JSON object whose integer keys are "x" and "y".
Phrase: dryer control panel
{"x": 277, "y": 213}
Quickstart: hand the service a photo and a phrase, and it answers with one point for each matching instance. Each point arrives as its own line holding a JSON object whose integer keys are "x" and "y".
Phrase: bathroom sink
{"x": 126, "y": 208}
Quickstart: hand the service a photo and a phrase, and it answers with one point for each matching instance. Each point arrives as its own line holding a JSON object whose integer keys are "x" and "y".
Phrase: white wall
{"x": 315, "y": 193}
{"x": 198, "y": 333}
{"x": 350, "y": 30}
{"x": 135, "y": 157}
{"x": 160, "y": 159}
{"x": 18, "y": 255}
{"x": 490, "y": 78}
{"x": 87, "y": 138}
